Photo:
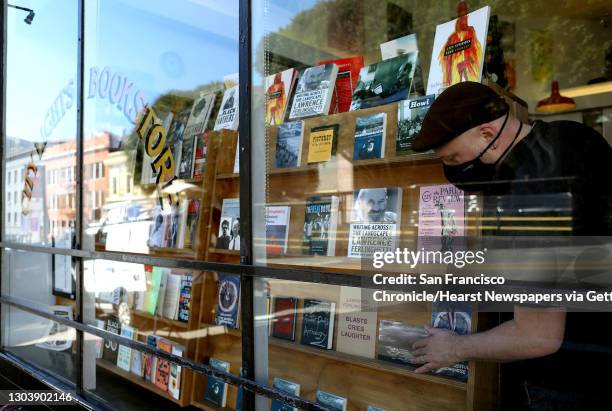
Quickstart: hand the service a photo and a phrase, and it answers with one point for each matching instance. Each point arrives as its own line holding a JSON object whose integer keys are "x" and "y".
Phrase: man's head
{"x": 236, "y": 227}
{"x": 372, "y": 203}
{"x": 225, "y": 227}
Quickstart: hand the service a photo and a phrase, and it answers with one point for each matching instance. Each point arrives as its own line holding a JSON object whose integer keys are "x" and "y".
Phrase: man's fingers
{"x": 425, "y": 368}
{"x": 420, "y": 351}
{"x": 420, "y": 343}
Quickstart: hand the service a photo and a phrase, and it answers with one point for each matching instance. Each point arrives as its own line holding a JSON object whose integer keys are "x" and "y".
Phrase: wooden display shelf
{"x": 208, "y": 406}
{"x": 175, "y": 323}
{"x": 182, "y": 401}
{"x": 222, "y": 251}
{"x": 227, "y": 330}
{"x": 228, "y": 176}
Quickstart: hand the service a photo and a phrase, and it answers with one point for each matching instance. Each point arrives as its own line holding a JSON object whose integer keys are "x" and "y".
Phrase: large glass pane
{"x": 341, "y": 90}
{"x": 40, "y": 142}
{"x": 161, "y": 123}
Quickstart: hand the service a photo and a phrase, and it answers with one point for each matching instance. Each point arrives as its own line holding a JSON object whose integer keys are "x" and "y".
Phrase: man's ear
{"x": 488, "y": 131}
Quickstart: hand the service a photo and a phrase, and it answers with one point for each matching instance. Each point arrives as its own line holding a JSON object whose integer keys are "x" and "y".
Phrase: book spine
{"x": 333, "y": 226}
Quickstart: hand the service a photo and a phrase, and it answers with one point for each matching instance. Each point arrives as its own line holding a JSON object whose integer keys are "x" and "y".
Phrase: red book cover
{"x": 285, "y": 311}
{"x": 162, "y": 373}
{"x": 348, "y": 73}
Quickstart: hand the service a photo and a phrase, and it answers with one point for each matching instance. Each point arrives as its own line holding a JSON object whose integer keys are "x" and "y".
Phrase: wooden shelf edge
{"x": 208, "y": 406}
{"x": 221, "y": 251}
{"x": 176, "y": 323}
{"x": 227, "y": 176}
{"x": 143, "y": 383}
{"x": 235, "y": 332}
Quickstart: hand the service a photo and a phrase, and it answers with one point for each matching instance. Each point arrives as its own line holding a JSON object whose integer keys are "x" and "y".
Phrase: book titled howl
{"x": 370, "y": 134}
{"x": 314, "y": 91}
{"x": 457, "y": 317}
{"x": 228, "y": 300}
{"x": 285, "y": 386}
{"x": 289, "y": 144}
{"x": 331, "y": 401}
{"x": 320, "y": 225}
{"x": 375, "y": 221}
{"x": 386, "y": 81}
{"x": 216, "y": 390}
{"x": 318, "y": 323}
{"x": 410, "y": 116}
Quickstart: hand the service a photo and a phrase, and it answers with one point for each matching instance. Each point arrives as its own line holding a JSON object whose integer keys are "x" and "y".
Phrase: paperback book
{"x": 137, "y": 364}
{"x": 356, "y": 322}
{"x": 314, "y": 91}
{"x": 176, "y": 136}
{"x": 397, "y": 47}
{"x": 111, "y": 347}
{"x": 150, "y": 361}
{"x": 199, "y": 160}
{"x": 288, "y": 387}
{"x": 228, "y": 300}
{"x": 171, "y": 300}
{"x": 370, "y": 134}
{"x": 162, "y": 371}
{"x": 410, "y": 116}
{"x": 375, "y": 221}
{"x": 320, "y": 225}
{"x": 229, "y": 226}
{"x": 441, "y": 218}
{"x": 216, "y": 390}
{"x": 318, "y": 323}
{"x": 346, "y": 80}
{"x": 284, "y": 317}
{"x": 228, "y": 113}
{"x": 289, "y": 144}
{"x": 456, "y": 317}
{"x": 185, "y": 297}
{"x": 395, "y": 340}
{"x": 277, "y": 229}
{"x": 200, "y": 114}
{"x": 192, "y": 219}
{"x": 322, "y": 143}
{"x": 458, "y": 51}
{"x": 278, "y": 91}
{"x": 331, "y": 401}
{"x": 386, "y": 81}
{"x": 124, "y": 354}
{"x": 174, "y": 380}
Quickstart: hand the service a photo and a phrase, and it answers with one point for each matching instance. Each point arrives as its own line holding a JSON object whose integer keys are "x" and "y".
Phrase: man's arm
{"x": 534, "y": 332}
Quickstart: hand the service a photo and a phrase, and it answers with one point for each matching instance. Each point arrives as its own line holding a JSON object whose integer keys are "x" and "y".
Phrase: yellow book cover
{"x": 322, "y": 144}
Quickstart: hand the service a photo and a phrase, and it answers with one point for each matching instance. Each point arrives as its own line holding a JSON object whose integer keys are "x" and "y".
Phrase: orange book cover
{"x": 162, "y": 373}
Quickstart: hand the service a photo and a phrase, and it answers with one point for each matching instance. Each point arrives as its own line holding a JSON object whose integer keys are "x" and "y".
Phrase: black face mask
{"x": 471, "y": 175}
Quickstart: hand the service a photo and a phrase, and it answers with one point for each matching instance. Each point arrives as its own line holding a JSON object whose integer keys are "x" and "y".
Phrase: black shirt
{"x": 561, "y": 168}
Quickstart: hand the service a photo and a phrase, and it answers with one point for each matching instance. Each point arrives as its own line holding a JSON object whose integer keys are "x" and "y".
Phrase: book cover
{"x": 230, "y": 80}
{"x": 58, "y": 337}
{"x": 111, "y": 347}
{"x": 172, "y": 226}
{"x": 196, "y": 127}
{"x": 320, "y": 225}
{"x": 99, "y": 341}
{"x": 399, "y": 46}
{"x": 237, "y": 157}
{"x": 201, "y": 151}
{"x": 322, "y": 143}
{"x": 137, "y": 364}
{"x": 174, "y": 381}
{"x": 375, "y": 221}
{"x": 277, "y": 229}
{"x": 331, "y": 401}
{"x": 346, "y": 80}
{"x": 229, "y": 226}
{"x": 161, "y": 295}
{"x": 458, "y": 50}
{"x": 156, "y": 228}
{"x": 176, "y": 135}
{"x": 314, "y": 91}
{"x": 357, "y": 317}
{"x": 289, "y": 144}
{"x": 410, "y": 116}
{"x": 318, "y": 323}
{"x": 154, "y": 278}
{"x": 278, "y": 91}
{"x": 441, "y": 218}
{"x": 171, "y": 301}
{"x": 285, "y": 386}
{"x": 228, "y": 300}
{"x": 162, "y": 371}
{"x": 192, "y": 220}
{"x": 124, "y": 354}
{"x": 370, "y": 134}
{"x": 185, "y": 297}
{"x": 284, "y": 317}
{"x": 395, "y": 340}
{"x": 457, "y": 317}
{"x": 228, "y": 113}
{"x": 216, "y": 390}
{"x": 387, "y": 81}
{"x": 149, "y": 360}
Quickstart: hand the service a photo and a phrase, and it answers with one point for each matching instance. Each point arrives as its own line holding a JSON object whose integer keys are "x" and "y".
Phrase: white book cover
{"x": 277, "y": 229}
{"x": 171, "y": 301}
{"x": 314, "y": 91}
{"x": 174, "y": 381}
{"x": 278, "y": 92}
{"x": 357, "y": 316}
{"x": 124, "y": 354}
{"x": 136, "y": 367}
{"x": 459, "y": 51}
{"x": 396, "y": 47}
{"x": 161, "y": 297}
{"x": 200, "y": 114}
{"x": 228, "y": 112}
{"x": 183, "y": 206}
{"x": 441, "y": 217}
{"x": 375, "y": 221}
{"x": 229, "y": 226}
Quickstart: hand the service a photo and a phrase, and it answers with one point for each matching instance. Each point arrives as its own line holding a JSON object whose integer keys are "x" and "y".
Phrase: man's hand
{"x": 436, "y": 351}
